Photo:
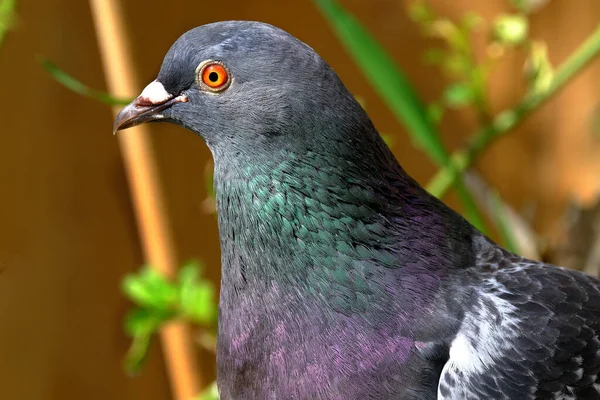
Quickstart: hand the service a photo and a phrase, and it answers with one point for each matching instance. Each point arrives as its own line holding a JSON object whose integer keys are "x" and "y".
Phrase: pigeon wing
{"x": 531, "y": 333}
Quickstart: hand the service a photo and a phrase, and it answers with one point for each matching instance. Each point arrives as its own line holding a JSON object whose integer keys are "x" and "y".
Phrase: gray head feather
{"x": 281, "y": 92}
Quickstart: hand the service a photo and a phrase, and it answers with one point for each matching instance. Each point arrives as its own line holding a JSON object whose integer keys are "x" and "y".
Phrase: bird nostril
{"x": 144, "y": 102}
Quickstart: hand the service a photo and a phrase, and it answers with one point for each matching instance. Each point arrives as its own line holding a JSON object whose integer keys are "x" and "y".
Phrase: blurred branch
{"x": 7, "y": 9}
{"x": 148, "y": 193}
{"x": 76, "y": 86}
{"x": 508, "y": 120}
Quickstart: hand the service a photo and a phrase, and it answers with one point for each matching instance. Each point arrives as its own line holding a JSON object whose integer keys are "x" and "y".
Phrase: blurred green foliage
{"x": 468, "y": 74}
{"x": 210, "y": 393}
{"x": 510, "y": 30}
{"x": 159, "y": 301}
{"x": 538, "y": 70}
{"x": 7, "y": 17}
{"x": 543, "y": 82}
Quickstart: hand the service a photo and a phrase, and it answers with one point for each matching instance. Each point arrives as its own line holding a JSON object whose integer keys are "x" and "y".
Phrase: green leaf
{"x": 73, "y": 84}
{"x": 459, "y": 94}
{"x": 137, "y": 354}
{"x": 7, "y": 13}
{"x": 210, "y": 393}
{"x": 196, "y": 297}
{"x": 189, "y": 272}
{"x": 190, "y": 298}
{"x": 136, "y": 290}
{"x": 142, "y": 324}
{"x": 148, "y": 288}
{"x": 144, "y": 321}
{"x": 199, "y": 304}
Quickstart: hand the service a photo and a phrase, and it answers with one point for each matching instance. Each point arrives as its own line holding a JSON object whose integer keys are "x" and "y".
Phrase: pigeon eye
{"x": 214, "y": 76}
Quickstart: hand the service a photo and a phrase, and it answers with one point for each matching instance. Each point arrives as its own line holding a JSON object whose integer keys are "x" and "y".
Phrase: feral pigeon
{"x": 342, "y": 278}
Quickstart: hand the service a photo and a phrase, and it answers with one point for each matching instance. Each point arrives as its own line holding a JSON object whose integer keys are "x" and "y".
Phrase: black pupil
{"x": 213, "y": 77}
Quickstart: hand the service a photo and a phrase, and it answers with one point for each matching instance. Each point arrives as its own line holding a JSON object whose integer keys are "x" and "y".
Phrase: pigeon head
{"x": 247, "y": 86}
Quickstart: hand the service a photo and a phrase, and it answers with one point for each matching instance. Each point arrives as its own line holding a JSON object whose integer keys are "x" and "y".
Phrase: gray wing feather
{"x": 532, "y": 333}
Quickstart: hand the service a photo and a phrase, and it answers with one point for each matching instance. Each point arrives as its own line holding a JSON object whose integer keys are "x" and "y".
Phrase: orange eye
{"x": 215, "y": 76}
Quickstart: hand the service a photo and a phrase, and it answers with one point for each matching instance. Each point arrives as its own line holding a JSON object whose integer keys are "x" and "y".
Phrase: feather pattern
{"x": 532, "y": 333}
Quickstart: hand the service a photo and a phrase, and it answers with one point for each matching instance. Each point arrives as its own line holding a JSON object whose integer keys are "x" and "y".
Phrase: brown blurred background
{"x": 67, "y": 228}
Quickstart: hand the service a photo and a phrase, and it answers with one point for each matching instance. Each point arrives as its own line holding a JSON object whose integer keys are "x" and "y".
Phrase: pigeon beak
{"x": 147, "y": 107}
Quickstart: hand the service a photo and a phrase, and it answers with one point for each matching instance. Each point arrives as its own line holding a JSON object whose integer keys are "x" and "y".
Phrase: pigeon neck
{"x": 297, "y": 216}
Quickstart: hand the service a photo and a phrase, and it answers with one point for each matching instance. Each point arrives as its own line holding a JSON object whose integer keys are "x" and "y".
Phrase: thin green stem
{"x": 478, "y": 78}
{"x": 76, "y": 86}
{"x": 509, "y": 119}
